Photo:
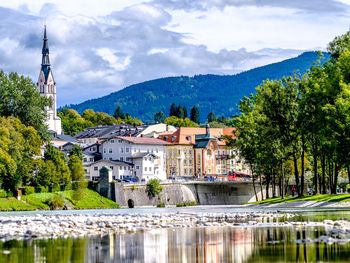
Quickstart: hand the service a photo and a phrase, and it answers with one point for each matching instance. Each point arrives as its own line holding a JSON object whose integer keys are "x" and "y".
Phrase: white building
{"x": 47, "y": 88}
{"x": 147, "y": 154}
{"x": 119, "y": 169}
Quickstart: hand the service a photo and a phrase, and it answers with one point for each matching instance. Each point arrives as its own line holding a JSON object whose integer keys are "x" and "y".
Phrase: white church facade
{"x": 47, "y": 88}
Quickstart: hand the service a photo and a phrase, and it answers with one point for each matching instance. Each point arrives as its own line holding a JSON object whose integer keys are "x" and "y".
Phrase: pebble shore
{"x": 77, "y": 225}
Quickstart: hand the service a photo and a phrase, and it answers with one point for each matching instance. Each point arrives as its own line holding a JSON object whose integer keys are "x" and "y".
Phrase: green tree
{"x": 76, "y": 168}
{"x": 19, "y": 98}
{"x": 195, "y": 114}
{"x": 153, "y": 188}
{"x": 339, "y": 45}
{"x": 118, "y": 113}
{"x": 211, "y": 117}
{"x": 178, "y": 122}
{"x": 159, "y": 117}
{"x": 77, "y": 150}
{"x": 173, "y": 111}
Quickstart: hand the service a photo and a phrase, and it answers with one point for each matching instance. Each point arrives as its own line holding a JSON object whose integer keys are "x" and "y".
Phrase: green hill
{"x": 217, "y": 93}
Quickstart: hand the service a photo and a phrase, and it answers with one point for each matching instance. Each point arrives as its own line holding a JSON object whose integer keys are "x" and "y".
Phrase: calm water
{"x": 219, "y": 244}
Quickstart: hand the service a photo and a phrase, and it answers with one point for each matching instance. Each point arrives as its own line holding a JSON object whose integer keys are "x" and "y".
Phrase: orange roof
{"x": 187, "y": 135}
{"x": 142, "y": 140}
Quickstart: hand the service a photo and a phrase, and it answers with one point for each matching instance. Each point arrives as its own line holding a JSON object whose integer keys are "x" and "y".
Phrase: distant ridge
{"x": 217, "y": 93}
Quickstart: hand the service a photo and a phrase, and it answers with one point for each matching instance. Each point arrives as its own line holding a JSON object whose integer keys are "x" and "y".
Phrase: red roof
{"x": 143, "y": 140}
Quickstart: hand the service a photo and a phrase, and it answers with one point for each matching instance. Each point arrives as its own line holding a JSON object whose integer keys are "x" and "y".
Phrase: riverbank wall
{"x": 202, "y": 193}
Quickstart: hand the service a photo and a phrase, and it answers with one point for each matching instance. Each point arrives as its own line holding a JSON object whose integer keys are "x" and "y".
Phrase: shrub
{"x": 41, "y": 189}
{"x": 3, "y": 193}
{"x": 189, "y": 203}
{"x": 162, "y": 205}
{"x": 153, "y": 187}
{"x": 133, "y": 187}
{"x": 56, "y": 202}
{"x": 29, "y": 190}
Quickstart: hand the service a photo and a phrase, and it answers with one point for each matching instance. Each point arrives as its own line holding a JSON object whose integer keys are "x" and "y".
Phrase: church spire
{"x": 45, "y": 59}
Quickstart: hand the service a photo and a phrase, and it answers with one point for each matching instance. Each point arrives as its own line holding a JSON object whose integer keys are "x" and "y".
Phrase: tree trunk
{"x": 261, "y": 187}
{"x": 253, "y": 177}
{"x": 282, "y": 181}
{"x": 323, "y": 167}
{"x": 348, "y": 171}
{"x": 296, "y": 174}
{"x": 273, "y": 183}
{"x": 335, "y": 180}
{"x": 302, "y": 183}
{"x": 267, "y": 186}
{"x": 315, "y": 173}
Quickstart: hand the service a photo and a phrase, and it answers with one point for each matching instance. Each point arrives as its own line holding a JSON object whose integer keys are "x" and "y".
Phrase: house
{"x": 119, "y": 169}
{"x": 147, "y": 154}
{"x": 201, "y": 151}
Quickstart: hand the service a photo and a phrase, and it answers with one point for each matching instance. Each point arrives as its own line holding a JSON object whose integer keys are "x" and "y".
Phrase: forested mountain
{"x": 211, "y": 93}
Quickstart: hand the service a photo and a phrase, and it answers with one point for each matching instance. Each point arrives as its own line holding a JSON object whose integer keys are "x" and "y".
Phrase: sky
{"x": 101, "y": 46}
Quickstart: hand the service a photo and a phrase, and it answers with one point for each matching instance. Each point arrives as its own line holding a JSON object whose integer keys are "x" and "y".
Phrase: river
{"x": 205, "y": 244}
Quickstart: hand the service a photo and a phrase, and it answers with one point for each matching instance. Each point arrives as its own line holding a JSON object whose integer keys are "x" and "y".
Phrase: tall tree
{"x": 118, "y": 113}
{"x": 211, "y": 117}
{"x": 19, "y": 98}
{"x": 159, "y": 117}
{"x": 195, "y": 114}
{"x": 173, "y": 111}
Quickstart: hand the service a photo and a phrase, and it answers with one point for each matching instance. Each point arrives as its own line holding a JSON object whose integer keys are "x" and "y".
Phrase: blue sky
{"x": 101, "y": 46}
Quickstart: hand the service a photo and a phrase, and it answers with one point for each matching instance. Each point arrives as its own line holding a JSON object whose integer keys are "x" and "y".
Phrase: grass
{"x": 190, "y": 203}
{"x": 316, "y": 198}
{"x": 39, "y": 201}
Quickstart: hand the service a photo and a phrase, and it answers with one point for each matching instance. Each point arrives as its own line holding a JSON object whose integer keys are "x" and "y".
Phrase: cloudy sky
{"x": 101, "y": 46}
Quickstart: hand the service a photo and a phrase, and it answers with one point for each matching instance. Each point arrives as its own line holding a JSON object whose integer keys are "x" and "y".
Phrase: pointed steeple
{"x": 45, "y": 59}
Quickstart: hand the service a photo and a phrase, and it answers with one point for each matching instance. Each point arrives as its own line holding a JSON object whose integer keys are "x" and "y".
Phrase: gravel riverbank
{"x": 43, "y": 226}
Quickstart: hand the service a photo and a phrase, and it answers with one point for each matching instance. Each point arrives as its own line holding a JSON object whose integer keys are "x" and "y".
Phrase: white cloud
{"x": 97, "y": 47}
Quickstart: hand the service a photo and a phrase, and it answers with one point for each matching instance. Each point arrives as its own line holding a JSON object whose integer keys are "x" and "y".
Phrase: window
{"x": 185, "y": 162}
{"x": 91, "y": 159}
{"x": 112, "y": 141}
{"x": 122, "y": 159}
{"x": 190, "y": 161}
{"x": 145, "y": 158}
{"x": 185, "y": 171}
{"x": 190, "y": 171}
{"x": 127, "y": 150}
{"x": 157, "y": 150}
{"x": 104, "y": 150}
{"x": 85, "y": 160}
{"x": 145, "y": 169}
{"x": 110, "y": 150}
{"x": 111, "y": 167}
{"x": 122, "y": 150}
{"x": 149, "y": 158}
{"x": 179, "y": 152}
{"x": 121, "y": 168}
{"x": 93, "y": 149}
{"x": 137, "y": 167}
{"x": 150, "y": 169}
{"x": 124, "y": 167}
{"x": 95, "y": 168}
{"x": 110, "y": 158}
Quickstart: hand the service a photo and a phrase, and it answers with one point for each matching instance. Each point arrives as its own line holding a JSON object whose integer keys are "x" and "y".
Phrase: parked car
{"x": 210, "y": 178}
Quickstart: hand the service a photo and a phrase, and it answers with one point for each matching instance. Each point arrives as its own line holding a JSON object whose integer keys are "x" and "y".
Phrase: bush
{"x": 189, "y": 203}
{"x": 153, "y": 187}
{"x": 3, "y": 194}
{"x": 56, "y": 202}
{"x": 29, "y": 190}
{"x": 41, "y": 189}
{"x": 162, "y": 205}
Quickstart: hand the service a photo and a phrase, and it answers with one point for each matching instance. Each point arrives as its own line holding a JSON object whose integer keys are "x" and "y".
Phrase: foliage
{"x": 3, "y": 193}
{"x": 220, "y": 94}
{"x": 339, "y": 45}
{"x": 153, "y": 188}
{"x": 189, "y": 203}
{"x": 76, "y": 168}
{"x": 161, "y": 205}
{"x": 118, "y": 113}
{"x": 159, "y": 117}
{"x": 178, "y": 122}
{"x": 77, "y": 151}
{"x": 195, "y": 114}
{"x": 19, "y": 98}
{"x": 29, "y": 190}
{"x": 211, "y": 117}
{"x": 18, "y": 145}
{"x": 56, "y": 202}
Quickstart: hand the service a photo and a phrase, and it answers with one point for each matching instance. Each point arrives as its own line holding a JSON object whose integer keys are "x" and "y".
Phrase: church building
{"x": 47, "y": 88}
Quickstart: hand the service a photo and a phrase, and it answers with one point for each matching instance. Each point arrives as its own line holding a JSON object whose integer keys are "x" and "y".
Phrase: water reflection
{"x": 184, "y": 245}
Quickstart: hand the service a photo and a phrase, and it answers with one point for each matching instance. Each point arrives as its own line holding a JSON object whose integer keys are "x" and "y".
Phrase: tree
{"x": 211, "y": 117}
{"x": 339, "y": 45}
{"x": 173, "y": 110}
{"x": 77, "y": 150}
{"x": 159, "y": 117}
{"x": 178, "y": 122}
{"x": 195, "y": 114}
{"x": 19, "y": 98}
{"x": 77, "y": 172}
{"x": 118, "y": 113}
{"x": 153, "y": 188}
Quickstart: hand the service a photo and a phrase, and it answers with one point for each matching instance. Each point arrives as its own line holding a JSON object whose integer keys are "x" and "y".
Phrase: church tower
{"x": 47, "y": 88}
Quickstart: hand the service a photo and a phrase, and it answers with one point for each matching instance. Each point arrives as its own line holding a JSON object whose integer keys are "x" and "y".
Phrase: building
{"x": 147, "y": 154}
{"x": 119, "y": 169}
{"x": 47, "y": 88}
{"x": 196, "y": 152}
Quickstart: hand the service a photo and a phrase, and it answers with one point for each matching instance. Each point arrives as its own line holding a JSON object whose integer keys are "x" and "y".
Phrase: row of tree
{"x": 297, "y": 122}
{"x": 23, "y": 133}
{"x": 73, "y": 122}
